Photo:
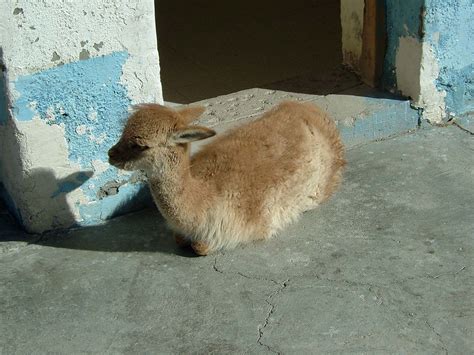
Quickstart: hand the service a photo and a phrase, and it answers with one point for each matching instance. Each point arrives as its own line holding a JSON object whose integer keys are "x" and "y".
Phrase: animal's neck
{"x": 179, "y": 196}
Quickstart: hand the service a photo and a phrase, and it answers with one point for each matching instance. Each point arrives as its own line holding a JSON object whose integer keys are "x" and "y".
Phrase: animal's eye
{"x": 136, "y": 146}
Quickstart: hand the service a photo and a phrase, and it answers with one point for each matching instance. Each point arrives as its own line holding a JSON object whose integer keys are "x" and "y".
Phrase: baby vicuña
{"x": 246, "y": 184}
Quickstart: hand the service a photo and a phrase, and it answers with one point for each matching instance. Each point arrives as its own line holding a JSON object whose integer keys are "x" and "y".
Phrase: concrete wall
{"x": 449, "y": 29}
{"x": 352, "y": 23}
{"x": 430, "y": 55}
{"x": 71, "y": 71}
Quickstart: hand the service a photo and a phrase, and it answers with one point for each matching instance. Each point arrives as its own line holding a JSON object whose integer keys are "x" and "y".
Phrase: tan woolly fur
{"x": 243, "y": 186}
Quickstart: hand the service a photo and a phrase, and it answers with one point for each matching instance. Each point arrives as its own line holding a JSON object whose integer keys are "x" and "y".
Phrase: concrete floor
{"x": 210, "y": 48}
{"x": 384, "y": 267}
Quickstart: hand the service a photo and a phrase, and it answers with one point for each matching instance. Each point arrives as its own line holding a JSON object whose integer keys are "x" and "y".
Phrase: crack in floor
{"x": 281, "y": 287}
{"x": 452, "y": 122}
{"x": 463, "y": 129}
{"x": 375, "y": 289}
{"x": 256, "y": 278}
{"x": 214, "y": 266}
{"x": 438, "y": 335}
{"x": 261, "y": 329}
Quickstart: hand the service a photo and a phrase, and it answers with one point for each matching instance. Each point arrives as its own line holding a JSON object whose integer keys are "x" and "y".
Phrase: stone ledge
{"x": 361, "y": 113}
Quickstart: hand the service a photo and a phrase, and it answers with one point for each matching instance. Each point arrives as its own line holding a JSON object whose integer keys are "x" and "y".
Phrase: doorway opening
{"x": 211, "y": 48}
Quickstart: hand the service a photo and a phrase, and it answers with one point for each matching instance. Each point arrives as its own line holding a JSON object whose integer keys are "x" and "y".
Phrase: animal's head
{"x": 153, "y": 133}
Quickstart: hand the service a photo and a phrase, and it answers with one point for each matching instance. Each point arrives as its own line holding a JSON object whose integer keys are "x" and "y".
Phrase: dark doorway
{"x": 209, "y": 48}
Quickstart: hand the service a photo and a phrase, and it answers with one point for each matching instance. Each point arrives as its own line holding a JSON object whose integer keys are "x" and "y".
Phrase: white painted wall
{"x": 39, "y": 35}
{"x": 417, "y": 70}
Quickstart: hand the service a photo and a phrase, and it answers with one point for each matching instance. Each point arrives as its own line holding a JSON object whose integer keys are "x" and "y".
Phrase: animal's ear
{"x": 191, "y": 134}
{"x": 190, "y": 113}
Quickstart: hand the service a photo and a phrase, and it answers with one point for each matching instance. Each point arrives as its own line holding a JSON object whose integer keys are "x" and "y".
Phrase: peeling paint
{"x": 69, "y": 106}
{"x": 450, "y": 30}
{"x": 129, "y": 198}
{"x": 68, "y": 92}
{"x": 431, "y": 59}
{"x": 417, "y": 71}
{"x": 100, "y": 166}
{"x": 84, "y": 54}
{"x": 431, "y": 99}
{"x": 55, "y": 57}
{"x": 81, "y": 129}
{"x": 110, "y": 188}
{"x": 98, "y": 46}
{"x": 92, "y": 115}
{"x": 63, "y": 99}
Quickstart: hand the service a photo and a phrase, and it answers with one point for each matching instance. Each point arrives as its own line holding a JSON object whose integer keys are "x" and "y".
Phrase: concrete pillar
{"x": 430, "y": 55}
{"x": 71, "y": 71}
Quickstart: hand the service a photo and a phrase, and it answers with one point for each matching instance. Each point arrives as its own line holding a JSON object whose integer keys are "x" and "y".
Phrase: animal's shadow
{"x": 142, "y": 231}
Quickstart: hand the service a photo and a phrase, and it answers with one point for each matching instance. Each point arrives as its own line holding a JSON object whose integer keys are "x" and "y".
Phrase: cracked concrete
{"x": 272, "y": 309}
{"x": 383, "y": 267}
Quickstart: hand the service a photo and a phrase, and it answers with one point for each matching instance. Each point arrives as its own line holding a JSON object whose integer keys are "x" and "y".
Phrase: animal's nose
{"x": 112, "y": 153}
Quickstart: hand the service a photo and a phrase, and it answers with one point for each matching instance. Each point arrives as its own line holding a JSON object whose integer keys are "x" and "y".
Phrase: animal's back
{"x": 272, "y": 169}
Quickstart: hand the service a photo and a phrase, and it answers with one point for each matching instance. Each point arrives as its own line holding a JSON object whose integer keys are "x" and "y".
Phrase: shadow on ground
{"x": 144, "y": 231}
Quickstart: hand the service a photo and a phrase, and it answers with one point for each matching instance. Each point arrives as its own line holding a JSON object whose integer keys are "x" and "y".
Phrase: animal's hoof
{"x": 181, "y": 241}
{"x": 200, "y": 248}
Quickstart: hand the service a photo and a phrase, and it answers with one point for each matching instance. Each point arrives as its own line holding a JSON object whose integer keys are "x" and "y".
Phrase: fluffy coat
{"x": 245, "y": 185}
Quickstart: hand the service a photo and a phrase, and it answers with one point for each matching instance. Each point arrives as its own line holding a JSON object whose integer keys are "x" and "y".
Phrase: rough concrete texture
{"x": 362, "y": 114}
{"x": 429, "y": 55}
{"x": 383, "y": 267}
{"x": 63, "y": 101}
{"x": 411, "y": 62}
{"x": 449, "y": 30}
{"x": 54, "y": 33}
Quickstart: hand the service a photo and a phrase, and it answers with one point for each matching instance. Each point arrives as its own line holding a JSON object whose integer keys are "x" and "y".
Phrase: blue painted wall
{"x": 87, "y": 98}
{"x": 424, "y": 20}
{"x": 68, "y": 94}
{"x": 454, "y": 21}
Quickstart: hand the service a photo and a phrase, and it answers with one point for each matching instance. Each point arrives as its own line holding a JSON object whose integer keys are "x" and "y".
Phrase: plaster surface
{"x": 56, "y": 33}
{"x": 66, "y": 99}
{"x": 417, "y": 71}
{"x": 429, "y": 56}
{"x": 449, "y": 30}
{"x": 384, "y": 267}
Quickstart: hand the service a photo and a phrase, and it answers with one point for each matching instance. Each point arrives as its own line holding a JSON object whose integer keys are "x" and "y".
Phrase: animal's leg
{"x": 181, "y": 241}
{"x": 200, "y": 248}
